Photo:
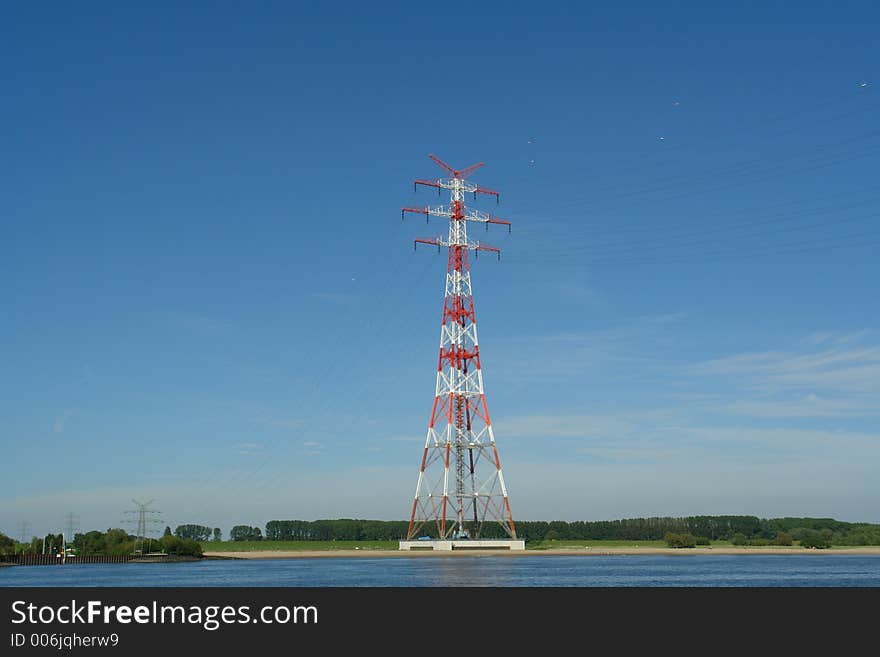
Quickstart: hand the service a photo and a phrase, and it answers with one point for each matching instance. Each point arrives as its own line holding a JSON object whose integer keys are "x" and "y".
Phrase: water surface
{"x": 521, "y": 571}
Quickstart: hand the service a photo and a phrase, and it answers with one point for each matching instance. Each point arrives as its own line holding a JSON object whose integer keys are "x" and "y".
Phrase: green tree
{"x": 7, "y": 545}
{"x": 195, "y": 532}
{"x": 167, "y": 531}
{"x": 680, "y": 540}
{"x": 810, "y": 538}
{"x": 92, "y": 542}
{"x": 560, "y": 528}
{"x": 117, "y": 541}
{"x": 246, "y": 533}
{"x": 53, "y": 543}
{"x": 218, "y": 535}
{"x": 180, "y": 547}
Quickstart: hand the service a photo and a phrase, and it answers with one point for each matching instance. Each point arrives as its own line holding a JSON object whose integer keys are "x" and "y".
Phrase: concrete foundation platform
{"x": 449, "y": 546}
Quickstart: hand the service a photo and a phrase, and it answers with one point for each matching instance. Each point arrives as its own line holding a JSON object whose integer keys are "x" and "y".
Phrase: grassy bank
{"x": 598, "y": 545}
{"x": 312, "y": 546}
{"x": 284, "y": 546}
{"x": 571, "y": 545}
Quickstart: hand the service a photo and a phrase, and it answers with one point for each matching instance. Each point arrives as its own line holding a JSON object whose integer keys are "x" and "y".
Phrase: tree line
{"x": 740, "y": 530}
{"x": 118, "y": 541}
{"x": 112, "y": 542}
{"x": 750, "y": 529}
{"x": 806, "y": 537}
{"x": 196, "y": 532}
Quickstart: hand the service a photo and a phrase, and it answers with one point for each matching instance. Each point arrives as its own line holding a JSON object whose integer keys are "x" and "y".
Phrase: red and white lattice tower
{"x": 460, "y": 486}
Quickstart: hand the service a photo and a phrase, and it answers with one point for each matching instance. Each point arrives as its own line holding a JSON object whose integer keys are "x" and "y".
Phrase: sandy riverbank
{"x": 373, "y": 554}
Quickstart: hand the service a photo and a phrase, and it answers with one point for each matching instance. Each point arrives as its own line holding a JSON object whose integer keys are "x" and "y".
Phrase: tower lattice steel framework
{"x": 147, "y": 518}
{"x": 460, "y": 486}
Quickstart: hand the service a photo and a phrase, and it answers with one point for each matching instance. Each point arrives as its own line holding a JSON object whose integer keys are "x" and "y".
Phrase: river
{"x": 493, "y": 571}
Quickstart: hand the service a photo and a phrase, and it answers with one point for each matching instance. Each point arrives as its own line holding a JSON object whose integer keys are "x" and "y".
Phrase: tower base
{"x": 449, "y": 546}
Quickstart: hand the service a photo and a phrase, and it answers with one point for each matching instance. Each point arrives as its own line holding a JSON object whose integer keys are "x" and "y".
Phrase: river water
{"x": 497, "y": 571}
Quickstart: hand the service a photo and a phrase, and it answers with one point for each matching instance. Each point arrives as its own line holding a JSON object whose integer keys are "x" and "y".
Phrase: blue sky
{"x": 210, "y": 300}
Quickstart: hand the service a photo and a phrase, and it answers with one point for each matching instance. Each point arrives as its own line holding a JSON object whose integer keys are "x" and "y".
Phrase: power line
{"x": 647, "y": 161}
{"x": 745, "y": 174}
{"x": 719, "y": 236}
{"x": 245, "y": 477}
{"x": 819, "y": 245}
{"x": 627, "y": 231}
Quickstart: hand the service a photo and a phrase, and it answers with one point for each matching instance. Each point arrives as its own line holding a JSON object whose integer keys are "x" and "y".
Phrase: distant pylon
{"x": 146, "y": 520}
{"x": 24, "y": 529}
{"x": 460, "y": 486}
{"x": 71, "y": 522}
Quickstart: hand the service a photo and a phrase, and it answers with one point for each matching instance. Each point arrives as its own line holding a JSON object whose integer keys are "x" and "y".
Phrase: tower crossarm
{"x": 428, "y": 183}
{"x": 439, "y": 242}
{"x": 477, "y": 247}
{"x": 441, "y": 211}
{"x": 487, "y": 192}
{"x": 428, "y": 211}
{"x": 456, "y": 173}
{"x": 433, "y": 241}
{"x": 486, "y": 218}
{"x": 459, "y": 184}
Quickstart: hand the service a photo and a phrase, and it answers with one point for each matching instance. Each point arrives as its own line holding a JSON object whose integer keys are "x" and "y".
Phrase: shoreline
{"x": 582, "y": 552}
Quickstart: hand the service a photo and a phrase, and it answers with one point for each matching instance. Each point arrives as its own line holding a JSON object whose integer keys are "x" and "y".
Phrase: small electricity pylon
{"x": 71, "y": 523}
{"x": 24, "y": 529}
{"x": 460, "y": 485}
{"x": 146, "y": 519}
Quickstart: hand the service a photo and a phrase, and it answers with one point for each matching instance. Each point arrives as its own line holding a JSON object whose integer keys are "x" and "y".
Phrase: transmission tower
{"x": 460, "y": 486}
{"x": 24, "y": 529}
{"x": 146, "y": 519}
{"x": 71, "y": 524}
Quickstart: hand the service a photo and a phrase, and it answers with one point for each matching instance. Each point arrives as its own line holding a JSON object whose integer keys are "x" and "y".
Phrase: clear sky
{"x": 208, "y": 297}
